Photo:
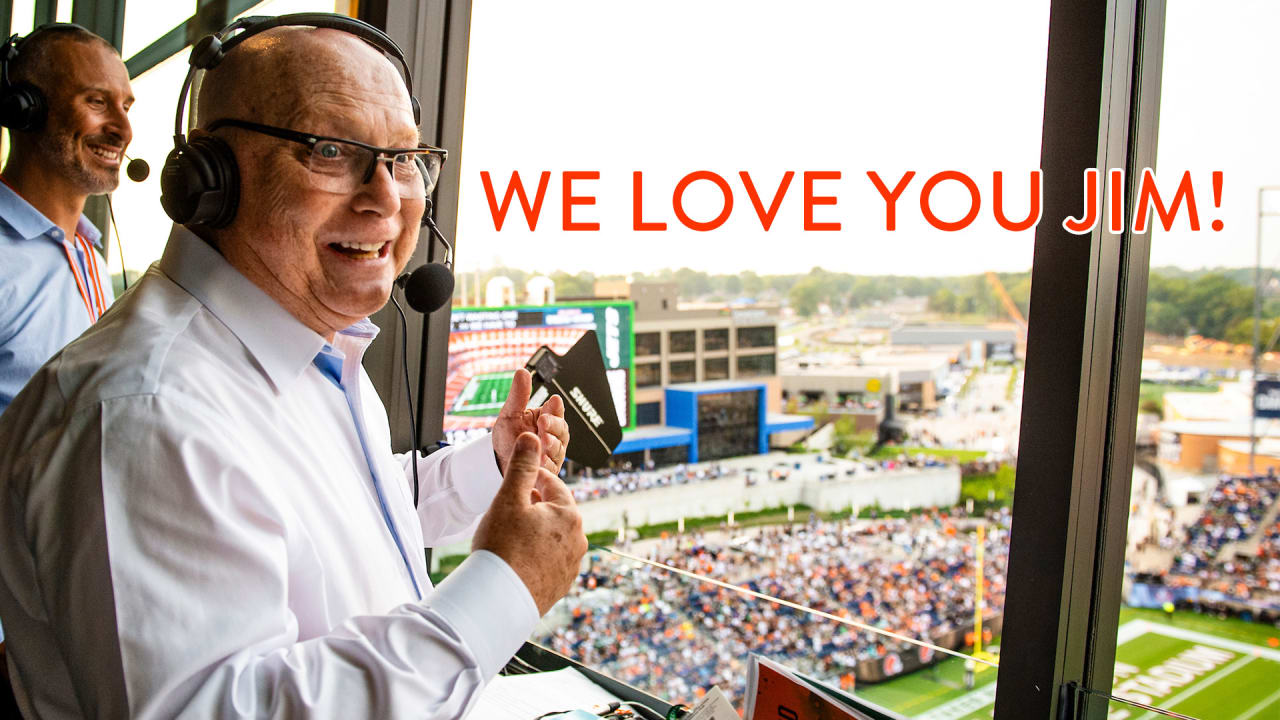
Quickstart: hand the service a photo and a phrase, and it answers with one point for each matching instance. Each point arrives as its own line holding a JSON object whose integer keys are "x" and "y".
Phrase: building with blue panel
{"x": 711, "y": 420}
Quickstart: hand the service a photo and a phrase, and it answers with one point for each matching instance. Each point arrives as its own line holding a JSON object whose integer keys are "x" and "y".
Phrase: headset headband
{"x": 211, "y": 49}
{"x": 14, "y": 44}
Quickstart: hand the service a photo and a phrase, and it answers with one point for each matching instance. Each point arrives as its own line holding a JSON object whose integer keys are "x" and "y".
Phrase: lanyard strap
{"x": 91, "y": 268}
{"x": 92, "y": 255}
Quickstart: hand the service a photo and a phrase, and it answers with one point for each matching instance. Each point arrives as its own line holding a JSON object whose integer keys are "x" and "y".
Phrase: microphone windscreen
{"x": 137, "y": 170}
{"x": 429, "y": 287}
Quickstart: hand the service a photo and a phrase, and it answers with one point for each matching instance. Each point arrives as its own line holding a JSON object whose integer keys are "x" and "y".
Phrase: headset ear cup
{"x": 200, "y": 183}
{"x": 23, "y": 108}
{"x": 220, "y": 207}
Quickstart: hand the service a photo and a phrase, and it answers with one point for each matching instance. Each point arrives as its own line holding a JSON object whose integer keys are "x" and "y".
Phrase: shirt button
{"x": 57, "y": 234}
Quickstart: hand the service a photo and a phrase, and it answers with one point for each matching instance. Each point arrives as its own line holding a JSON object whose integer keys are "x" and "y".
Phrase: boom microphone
{"x": 137, "y": 169}
{"x": 428, "y": 287}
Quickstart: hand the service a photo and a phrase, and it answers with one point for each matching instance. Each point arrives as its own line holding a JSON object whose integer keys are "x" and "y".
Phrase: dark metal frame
{"x": 1088, "y": 304}
{"x": 434, "y": 35}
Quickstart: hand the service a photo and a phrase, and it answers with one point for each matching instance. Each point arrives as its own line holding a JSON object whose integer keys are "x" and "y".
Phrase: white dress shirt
{"x": 191, "y": 525}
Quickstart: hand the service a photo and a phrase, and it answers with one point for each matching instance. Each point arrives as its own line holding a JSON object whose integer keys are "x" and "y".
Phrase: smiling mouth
{"x": 360, "y": 251}
{"x": 108, "y": 154}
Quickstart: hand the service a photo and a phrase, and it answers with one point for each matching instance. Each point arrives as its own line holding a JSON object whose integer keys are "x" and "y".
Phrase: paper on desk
{"x": 774, "y": 691}
{"x": 524, "y": 697}
{"x": 713, "y": 706}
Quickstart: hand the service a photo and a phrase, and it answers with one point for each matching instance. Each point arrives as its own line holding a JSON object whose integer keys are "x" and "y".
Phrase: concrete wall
{"x": 930, "y": 487}
{"x": 917, "y": 488}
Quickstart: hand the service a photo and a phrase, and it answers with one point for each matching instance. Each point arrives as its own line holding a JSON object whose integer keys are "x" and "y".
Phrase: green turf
{"x": 1243, "y": 687}
{"x": 891, "y": 452}
{"x": 988, "y": 491}
{"x": 483, "y": 395}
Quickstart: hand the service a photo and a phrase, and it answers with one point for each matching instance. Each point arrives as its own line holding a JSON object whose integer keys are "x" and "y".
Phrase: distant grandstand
{"x": 1229, "y": 559}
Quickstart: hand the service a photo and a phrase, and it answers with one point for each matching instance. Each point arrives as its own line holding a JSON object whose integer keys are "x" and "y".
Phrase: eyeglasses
{"x": 340, "y": 166}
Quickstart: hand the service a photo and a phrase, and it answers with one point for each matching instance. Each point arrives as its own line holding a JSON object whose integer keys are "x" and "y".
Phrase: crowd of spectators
{"x": 673, "y": 636}
{"x": 1233, "y": 513}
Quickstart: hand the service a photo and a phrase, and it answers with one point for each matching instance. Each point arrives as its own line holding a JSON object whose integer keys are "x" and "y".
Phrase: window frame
{"x": 1086, "y": 318}
{"x": 1084, "y": 352}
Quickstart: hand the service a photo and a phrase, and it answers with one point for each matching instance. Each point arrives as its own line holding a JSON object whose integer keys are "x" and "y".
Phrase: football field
{"x": 1193, "y": 664}
{"x": 483, "y": 395}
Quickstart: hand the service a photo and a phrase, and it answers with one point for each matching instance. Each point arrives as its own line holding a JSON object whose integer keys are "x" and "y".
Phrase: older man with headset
{"x": 202, "y": 515}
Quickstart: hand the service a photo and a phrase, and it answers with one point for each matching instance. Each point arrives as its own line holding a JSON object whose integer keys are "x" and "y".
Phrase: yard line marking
{"x": 1214, "y": 641}
{"x": 1205, "y": 682}
{"x": 1131, "y": 631}
{"x": 1260, "y": 706}
{"x": 963, "y": 705}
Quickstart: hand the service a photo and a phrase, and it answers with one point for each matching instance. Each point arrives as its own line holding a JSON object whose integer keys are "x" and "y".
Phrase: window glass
{"x": 756, "y": 365}
{"x": 682, "y": 371}
{"x": 1198, "y": 624}
{"x": 682, "y": 342}
{"x": 648, "y": 374}
{"x": 144, "y": 23}
{"x": 715, "y": 368}
{"x": 649, "y": 413}
{"x": 24, "y": 14}
{"x": 648, "y": 343}
{"x": 803, "y": 311}
{"x": 754, "y": 337}
{"x": 715, "y": 339}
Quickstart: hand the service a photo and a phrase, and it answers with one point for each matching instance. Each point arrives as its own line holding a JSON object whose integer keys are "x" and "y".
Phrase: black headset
{"x": 23, "y": 106}
{"x": 200, "y": 182}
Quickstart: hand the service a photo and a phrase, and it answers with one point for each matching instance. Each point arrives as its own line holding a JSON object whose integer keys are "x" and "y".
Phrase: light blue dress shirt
{"x": 40, "y": 305}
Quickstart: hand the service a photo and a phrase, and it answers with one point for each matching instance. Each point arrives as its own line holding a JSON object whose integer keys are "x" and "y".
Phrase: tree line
{"x": 1215, "y": 303}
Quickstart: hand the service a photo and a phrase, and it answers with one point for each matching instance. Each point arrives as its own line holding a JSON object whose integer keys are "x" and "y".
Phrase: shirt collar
{"x": 280, "y": 343}
{"x": 30, "y": 223}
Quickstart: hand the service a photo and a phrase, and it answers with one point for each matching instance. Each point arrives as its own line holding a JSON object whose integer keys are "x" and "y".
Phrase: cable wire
{"x": 795, "y": 606}
{"x": 408, "y": 394}
{"x": 124, "y": 271}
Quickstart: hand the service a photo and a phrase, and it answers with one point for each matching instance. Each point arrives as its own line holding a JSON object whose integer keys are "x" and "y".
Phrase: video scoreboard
{"x": 487, "y": 345}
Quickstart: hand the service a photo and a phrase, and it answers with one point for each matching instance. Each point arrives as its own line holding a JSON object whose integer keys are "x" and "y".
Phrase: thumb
{"x": 555, "y": 406}
{"x": 518, "y": 395}
{"x": 553, "y": 489}
{"x": 522, "y": 468}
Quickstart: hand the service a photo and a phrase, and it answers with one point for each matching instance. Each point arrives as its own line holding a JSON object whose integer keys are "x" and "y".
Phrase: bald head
{"x": 279, "y": 76}
{"x": 322, "y": 227}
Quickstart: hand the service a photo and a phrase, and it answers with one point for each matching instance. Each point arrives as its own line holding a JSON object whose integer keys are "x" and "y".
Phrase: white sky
{"x": 927, "y": 85}
{"x": 673, "y": 86}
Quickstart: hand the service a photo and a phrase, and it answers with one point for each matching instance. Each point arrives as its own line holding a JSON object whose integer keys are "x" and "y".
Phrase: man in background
{"x": 54, "y": 281}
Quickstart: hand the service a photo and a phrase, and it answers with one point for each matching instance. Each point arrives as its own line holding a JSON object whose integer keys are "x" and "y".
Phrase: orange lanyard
{"x": 94, "y": 303}
{"x": 91, "y": 263}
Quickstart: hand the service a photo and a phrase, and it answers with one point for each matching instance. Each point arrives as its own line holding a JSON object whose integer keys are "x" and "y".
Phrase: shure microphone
{"x": 428, "y": 287}
{"x": 137, "y": 169}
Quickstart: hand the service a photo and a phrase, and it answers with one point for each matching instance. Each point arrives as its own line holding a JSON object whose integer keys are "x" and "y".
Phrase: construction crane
{"x": 1009, "y": 306}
